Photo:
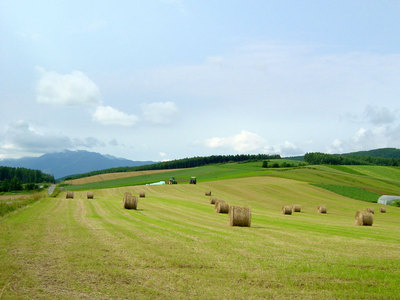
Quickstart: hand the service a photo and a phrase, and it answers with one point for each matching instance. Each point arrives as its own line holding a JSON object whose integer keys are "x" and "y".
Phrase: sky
{"x": 168, "y": 79}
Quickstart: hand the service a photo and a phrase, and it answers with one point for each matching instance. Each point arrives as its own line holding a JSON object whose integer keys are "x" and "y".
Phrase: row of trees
{"x": 285, "y": 164}
{"x": 318, "y": 158}
{"x": 25, "y": 175}
{"x": 183, "y": 163}
{"x": 16, "y": 179}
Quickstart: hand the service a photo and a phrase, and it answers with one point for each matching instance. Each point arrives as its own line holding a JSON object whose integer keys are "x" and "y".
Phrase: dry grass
{"x": 364, "y": 218}
{"x": 176, "y": 247}
{"x": 322, "y": 209}
{"x": 296, "y": 208}
{"x": 239, "y": 216}
{"x": 287, "y": 210}
{"x": 221, "y": 207}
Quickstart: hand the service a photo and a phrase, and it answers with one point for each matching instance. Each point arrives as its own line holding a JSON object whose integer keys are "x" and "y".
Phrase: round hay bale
{"x": 142, "y": 195}
{"x": 212, "y": 200}
{"x": 239, "y": 216}
{"x": 130, "y": 202}
{"x": 322, "y": 209}
{"x": 382, "y": 209}
{"x": 287, "y": 210}
{"x": 90, "y": 195}
{"x": 208, "y": 193}
{"x": 364, "y": 218}
{"x": 296, "y": 208}
{"x": 221, "y": 207}
{"x": 126, "y": 194}
{"x": 70, "y": 195}
{"x": 370, "y": 210}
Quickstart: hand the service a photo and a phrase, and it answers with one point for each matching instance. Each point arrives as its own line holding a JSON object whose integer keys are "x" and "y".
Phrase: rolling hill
{"x": 175, "y": 246}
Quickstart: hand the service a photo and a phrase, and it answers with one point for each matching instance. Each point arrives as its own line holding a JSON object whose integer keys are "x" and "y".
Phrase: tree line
{"x": 183, "y": 163}
{"x": 14, "y": 179}
{"x": 318, "y": 158}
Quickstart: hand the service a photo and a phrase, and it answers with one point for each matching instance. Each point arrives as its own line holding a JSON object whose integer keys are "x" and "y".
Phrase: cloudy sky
{"x": 166, "y": 79}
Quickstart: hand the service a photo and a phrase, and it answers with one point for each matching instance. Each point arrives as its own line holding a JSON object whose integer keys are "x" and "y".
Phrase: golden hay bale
{"x": 370, "y": 210}
{"x": 90, "y": 195}
{"x": 208, "y": 193}
{"x": 287, "y": 210}
{"x": 322, "y": 209}
{"x": 221, "y": 207}
{"x": 70, "y": 195}
{"x": 126, "y": 194}
{"x": 130, "y": 202}
{"x": 212, "y": 200}
{"x": 364, "y": 218}
{"x": 382, "y": 209}
{"x": 142, "y": 195}
{"x": 239, "y": 216}
{"x": 296, "y": 208}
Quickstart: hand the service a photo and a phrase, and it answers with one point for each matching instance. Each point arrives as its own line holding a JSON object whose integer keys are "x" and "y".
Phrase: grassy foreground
{"x": 176, "y": 246}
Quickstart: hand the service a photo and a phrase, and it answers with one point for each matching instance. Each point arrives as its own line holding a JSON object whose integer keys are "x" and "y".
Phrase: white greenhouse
{"x": 387, "y": 199}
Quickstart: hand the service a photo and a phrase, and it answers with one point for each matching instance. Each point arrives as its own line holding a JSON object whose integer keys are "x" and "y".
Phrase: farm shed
{"x": 387, "y": 199}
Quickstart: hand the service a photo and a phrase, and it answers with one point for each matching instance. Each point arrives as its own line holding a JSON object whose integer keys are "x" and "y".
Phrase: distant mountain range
{"x": 66, "y": 163}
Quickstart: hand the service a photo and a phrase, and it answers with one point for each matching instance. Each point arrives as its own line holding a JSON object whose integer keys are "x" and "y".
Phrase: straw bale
{"x": 208, "y": 193}
{"x": 382, "y": 209}
{"x": 364, "y": 218}
{"x": 370, "y": 210}
{"x": 221, "y": 207}
{"x": 130, "y": 202}
{"x": 142, "y": 195}
{"x": 287, "y": 210}
{"x": 322, "y": 209}
{"x": 239, "y": 216}
{"x": 90, "y": 195}
{"x": 296, "y": 208}
{"x": 212, "y": 200}
{"x": 70, "y": 195}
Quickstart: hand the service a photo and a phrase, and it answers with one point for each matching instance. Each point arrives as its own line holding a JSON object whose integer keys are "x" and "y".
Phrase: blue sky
{"x": 165, "y": 79}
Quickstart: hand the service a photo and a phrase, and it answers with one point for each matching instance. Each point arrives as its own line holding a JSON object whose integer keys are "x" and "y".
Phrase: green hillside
{"x": 371, "y": 181}
{"x": 175, "y": 246}
{"x": 382, "y": 152}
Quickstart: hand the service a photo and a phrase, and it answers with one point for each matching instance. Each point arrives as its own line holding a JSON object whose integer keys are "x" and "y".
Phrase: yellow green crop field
{"x": 174, "y": 246}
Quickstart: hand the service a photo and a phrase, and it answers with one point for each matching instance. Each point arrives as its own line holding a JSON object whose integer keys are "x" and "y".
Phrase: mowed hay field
{"x": 176, "y": 247}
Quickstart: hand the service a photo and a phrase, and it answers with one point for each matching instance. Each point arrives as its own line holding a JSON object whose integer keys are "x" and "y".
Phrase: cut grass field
{"x": 176, "y": 247}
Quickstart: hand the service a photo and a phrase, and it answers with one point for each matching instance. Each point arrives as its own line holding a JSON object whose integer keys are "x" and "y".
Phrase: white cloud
{"x": 287, "y": 149}
{"x": 21, "y": 139}
{"x": 159, "y": 112}
{"x": 250, "y": 142}
{"x": 66, "y": 89}
{"x": 336, "y": 147}
{"x": 108, "y": 115}
{"x": 379, "y": 115}
{"x": 243, "y": 142}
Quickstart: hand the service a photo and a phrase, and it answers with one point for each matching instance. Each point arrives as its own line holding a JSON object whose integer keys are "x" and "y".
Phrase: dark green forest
{"x": 14, "y": 179}
{"x": 318, "y": 158}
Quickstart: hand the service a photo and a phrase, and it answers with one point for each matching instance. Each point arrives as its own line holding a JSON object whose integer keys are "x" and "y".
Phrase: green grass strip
{"x": 351, "y": 192}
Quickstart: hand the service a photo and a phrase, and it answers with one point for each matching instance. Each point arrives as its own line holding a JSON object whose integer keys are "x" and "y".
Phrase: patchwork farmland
{"x": 174, "y": 245}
